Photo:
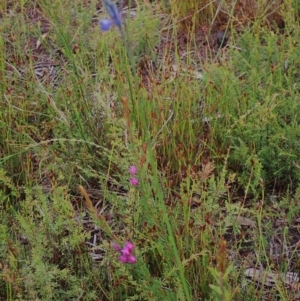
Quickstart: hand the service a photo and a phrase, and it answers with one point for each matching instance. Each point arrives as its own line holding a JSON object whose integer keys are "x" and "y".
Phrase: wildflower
{"x": 134, "y": 181}
{"x": 133, "y": 170}
{"x": 126, "y": 252}
{"x": 115, "y": 17}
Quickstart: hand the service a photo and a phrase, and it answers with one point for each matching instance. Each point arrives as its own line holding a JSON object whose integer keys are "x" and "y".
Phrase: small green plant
{"x": 221, "y": 275}
{"x": 259, "y": 122}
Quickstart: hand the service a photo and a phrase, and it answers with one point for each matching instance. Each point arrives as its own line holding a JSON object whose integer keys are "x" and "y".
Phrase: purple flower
{"x": 126, "y": 252}
{"x": 133, "y": 170}
{"x": 115, "y": 17}
{"x": 105, "y": 24}
{"x": 134, "y": 181}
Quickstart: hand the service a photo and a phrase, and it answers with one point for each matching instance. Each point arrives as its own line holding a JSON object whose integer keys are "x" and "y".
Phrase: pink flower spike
{"x": 131, "y": 259}
{"x": 129, "y": 246}
{"x": 134, "y": 181}
{"x": 133, "y": 170}
{"x": 123, "y": 258}
{"x": 125, "y": 252}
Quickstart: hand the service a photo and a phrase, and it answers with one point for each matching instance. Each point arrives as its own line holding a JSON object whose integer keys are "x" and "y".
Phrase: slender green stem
{"x": 160, "y": 198}
{"x": 133, "y": 69}
{"x": 157, "y": 186}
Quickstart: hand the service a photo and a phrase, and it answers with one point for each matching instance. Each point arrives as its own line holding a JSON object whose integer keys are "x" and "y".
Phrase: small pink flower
{"x": 126, "y": 252}
{"x": 123, "y": 258}
{"x": 133, "y": 170}
{"x": 129, "y": 246}
{"x": 134, "y": 181}
{"x": 131, "y": 259}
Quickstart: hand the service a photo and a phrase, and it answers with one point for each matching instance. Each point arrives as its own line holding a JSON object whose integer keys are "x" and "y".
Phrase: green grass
{"x": 216, "y": 142}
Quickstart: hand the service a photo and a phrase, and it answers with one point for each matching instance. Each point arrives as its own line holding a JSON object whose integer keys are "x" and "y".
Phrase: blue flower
{"x": 105, "y": 24}
{"x": 115, "y": 17}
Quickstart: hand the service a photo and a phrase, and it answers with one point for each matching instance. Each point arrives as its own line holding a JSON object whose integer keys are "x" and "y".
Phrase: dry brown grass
{"x": 223, "y": 13}
{"x": 243, "y": 13}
